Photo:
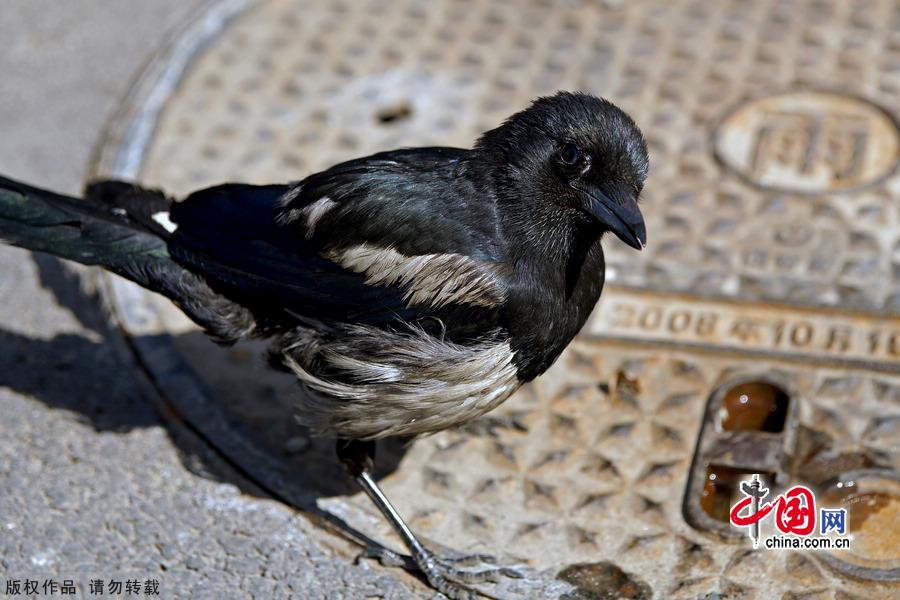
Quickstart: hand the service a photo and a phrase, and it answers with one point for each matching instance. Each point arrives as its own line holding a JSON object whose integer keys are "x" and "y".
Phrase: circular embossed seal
{"x": 808, "y": 142}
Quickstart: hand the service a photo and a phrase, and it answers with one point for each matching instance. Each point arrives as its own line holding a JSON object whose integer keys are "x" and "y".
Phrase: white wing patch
{"x": 163, "y": 219}
{"x": 414, "y": 383}
{"x": 427, "y": 279}
{"x": 313, "y": 212}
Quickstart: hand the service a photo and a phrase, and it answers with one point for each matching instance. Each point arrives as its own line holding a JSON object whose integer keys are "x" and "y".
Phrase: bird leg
{"x": 444, "y": 574}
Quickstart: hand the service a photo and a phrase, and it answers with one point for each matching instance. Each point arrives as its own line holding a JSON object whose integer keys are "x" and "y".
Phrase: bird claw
{"x": 450, "y": 575}
{"x": 468, "y": 560}
{"x": 387, "y": 558}
{"x": 447, "y": 576}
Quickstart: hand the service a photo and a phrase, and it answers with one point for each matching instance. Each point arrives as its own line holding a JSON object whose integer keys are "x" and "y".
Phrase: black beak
{"x": 617, "y": 208}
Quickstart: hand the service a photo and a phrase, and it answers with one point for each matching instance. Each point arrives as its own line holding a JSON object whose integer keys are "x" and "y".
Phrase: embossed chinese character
{"x": 804, "y": 144}
{"x": 786, "y": 142}
{"x": 845, "y": 143}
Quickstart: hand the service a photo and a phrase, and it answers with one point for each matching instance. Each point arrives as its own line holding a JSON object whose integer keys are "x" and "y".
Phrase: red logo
{"x": 795, "y": 511}
{"x": 795, "y": 514}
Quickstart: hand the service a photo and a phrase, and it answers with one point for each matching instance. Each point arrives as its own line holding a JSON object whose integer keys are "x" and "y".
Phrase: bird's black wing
{"x": 418, "y": 201}
{"x": 367, "y": 241}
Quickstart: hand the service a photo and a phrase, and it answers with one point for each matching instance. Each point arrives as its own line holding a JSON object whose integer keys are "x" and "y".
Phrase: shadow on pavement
{"x": 261, "y": 434}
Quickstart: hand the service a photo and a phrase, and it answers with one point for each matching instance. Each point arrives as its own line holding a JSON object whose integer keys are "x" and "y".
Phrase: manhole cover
{"x": 773, "y": 273}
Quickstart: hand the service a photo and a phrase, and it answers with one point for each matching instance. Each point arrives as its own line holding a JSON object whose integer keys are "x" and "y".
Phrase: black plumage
{"x": 409, "y": 290}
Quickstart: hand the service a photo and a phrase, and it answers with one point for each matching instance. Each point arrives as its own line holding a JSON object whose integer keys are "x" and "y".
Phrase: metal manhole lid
{"x": 773, "y": 253}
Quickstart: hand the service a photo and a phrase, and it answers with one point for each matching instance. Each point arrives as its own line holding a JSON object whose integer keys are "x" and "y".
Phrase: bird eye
{"x": 570, "y": 154}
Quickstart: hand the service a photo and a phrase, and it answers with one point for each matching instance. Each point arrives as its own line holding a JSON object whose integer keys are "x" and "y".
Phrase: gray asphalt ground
{"x": 92, "y": 484}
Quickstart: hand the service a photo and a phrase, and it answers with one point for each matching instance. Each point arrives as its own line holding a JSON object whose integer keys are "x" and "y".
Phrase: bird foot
{"x": 452, "y": 576}
{"x": 388, "y": 558}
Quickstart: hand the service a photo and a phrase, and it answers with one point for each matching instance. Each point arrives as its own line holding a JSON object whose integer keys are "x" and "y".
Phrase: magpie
{"x": 409, "y": 291}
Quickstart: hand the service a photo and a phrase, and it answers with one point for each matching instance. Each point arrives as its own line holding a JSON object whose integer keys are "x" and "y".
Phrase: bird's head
{"x": 575, "y": 157}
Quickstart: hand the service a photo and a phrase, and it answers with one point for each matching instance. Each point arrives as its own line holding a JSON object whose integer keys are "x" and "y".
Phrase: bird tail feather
{"x": 112, "y": 227}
